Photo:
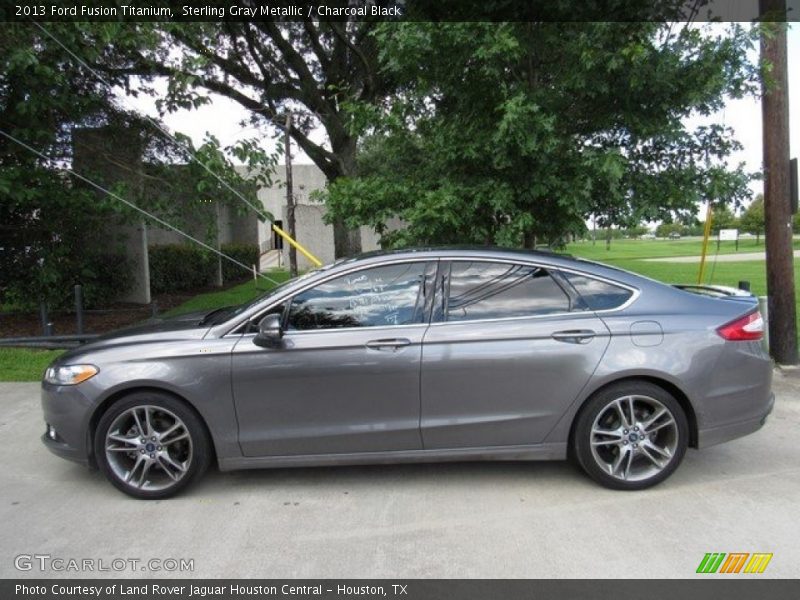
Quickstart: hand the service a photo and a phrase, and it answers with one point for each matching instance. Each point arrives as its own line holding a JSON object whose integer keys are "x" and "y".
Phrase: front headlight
{"x": 69, "y": 374}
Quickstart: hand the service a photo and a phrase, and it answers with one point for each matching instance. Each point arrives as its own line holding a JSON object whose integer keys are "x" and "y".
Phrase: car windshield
{"x": 221, "y": 315}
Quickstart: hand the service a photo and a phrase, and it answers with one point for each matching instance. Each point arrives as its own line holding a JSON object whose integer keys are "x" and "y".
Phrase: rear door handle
{"x": 388, "y": 344}
{"x": 574, "y": 336}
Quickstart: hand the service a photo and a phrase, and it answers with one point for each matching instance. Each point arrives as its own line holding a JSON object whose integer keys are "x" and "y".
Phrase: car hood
{"x": 183, "y": 327}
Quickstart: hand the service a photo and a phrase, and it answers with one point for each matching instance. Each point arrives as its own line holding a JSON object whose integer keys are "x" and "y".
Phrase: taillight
{"x": 749, "y": 327}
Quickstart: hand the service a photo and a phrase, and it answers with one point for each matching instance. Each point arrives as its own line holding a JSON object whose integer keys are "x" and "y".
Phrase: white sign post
{"x": 727, "y": 235}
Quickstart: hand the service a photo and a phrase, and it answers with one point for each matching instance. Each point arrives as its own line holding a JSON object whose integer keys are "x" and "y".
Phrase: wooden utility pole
{"x": 287, "y": 150}
{"x": 777, "y": 209}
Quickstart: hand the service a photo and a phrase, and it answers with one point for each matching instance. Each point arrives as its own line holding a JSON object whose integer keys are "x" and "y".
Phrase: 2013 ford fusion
{"x": 420, "y": 355}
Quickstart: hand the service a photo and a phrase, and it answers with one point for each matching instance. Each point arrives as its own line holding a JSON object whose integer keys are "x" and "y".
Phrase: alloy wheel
{"x": 634, "y": 438}
{"x": 148, "y": 448}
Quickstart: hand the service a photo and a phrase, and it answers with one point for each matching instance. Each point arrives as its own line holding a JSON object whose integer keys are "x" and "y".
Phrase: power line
{"x": 155, "y": 218}
{"x": 158, "y": 126}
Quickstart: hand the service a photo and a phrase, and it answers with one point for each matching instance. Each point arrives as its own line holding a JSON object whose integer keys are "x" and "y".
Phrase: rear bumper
{"x": 717, "y": 435}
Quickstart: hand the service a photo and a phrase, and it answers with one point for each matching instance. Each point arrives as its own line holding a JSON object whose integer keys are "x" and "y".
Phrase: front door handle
{"x": 574, "y": 336}
{"x": 388, "y": 344}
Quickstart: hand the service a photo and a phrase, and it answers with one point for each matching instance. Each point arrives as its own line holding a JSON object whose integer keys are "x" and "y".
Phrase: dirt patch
{"x": 115, "y": 316}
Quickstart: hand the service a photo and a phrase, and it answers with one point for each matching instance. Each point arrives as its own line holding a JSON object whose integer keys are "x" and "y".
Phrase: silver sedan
{"x": 420, "y": 355}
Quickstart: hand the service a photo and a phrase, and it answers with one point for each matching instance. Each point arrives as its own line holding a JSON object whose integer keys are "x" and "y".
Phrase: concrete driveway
{"x": 453, "y": 520}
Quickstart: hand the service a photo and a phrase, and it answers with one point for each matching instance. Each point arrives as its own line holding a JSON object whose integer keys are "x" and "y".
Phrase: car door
{"x": 508, "y": 350}
{"x": 346, "y": 376}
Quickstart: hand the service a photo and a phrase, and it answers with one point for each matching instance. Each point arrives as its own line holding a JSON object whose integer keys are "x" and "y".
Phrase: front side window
{"x": 484, "y": 290}
{"x": 376, "y": 297}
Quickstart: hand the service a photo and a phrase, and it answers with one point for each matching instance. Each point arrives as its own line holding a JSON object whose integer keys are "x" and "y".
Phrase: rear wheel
{"x": 631, "y": 435}
{"x": 151, "y": 445}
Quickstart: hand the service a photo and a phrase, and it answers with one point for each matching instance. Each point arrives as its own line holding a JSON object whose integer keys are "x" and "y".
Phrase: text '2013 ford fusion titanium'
{"x": 420, "y": 355}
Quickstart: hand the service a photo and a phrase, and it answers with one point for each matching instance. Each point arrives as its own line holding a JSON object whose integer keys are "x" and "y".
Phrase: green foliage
{"x": 516, "y": 133}
{"x": 247, "y": 254}
{"x": 48, "y": 219}
{"x": 635, "y": 231}
{"x": 26, "y": 280}
{"x": 54, "y": 228}
{"x": 723, "y": 218}
{"x": 179, "y": 267}
{"x": 664, "y": 229}
{"x": 314, "y": 68}
{"x": 752, "y": 220}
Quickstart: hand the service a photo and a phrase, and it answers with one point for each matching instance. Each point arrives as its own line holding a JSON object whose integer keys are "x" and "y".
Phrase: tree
{"x": 45, "y": 216}
{"x": 50, "y": 221}
{"x": 665, "y": 229}
{"x": 722, "y": 217}
{"x": 752, "y": 220}
{"x": 516, "y": 133}
{"x": 316, "y": 69}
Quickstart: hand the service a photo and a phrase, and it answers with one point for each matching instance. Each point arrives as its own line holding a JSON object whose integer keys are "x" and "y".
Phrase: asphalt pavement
{"x": 479, "y": 520}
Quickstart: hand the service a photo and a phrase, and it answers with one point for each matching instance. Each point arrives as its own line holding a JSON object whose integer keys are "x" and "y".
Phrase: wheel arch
{"x": 120, "y": 394}
{"x": 668, "y": 386}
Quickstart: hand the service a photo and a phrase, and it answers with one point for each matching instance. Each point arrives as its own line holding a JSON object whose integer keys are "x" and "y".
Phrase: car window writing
{"x": 377, "y": 297}
{"x": 484, "y": 290}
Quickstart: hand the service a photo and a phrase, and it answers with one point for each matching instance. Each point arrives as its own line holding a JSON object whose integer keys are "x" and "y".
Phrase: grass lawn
{"x": 623, "y": 254}
{"x": 621, "y": 249}
{"x": 231, "y": 296}
{"x": 23, "y": 364}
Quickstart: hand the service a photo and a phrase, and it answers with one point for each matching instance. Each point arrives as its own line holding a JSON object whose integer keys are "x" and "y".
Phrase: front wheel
{"x": 151, "y": 445}
{"x": 631, "y": 436}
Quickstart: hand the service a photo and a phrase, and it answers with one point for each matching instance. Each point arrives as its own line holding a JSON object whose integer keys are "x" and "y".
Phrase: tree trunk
{"x": 529, "y": 240}
{"x": 346, "y": 241}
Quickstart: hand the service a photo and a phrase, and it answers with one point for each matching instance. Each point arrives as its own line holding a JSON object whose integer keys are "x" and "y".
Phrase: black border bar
{"x": 729, "y": 588}
{"x": 389, "y": 10}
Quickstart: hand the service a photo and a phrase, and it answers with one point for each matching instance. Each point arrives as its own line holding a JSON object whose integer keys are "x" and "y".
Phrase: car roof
{"x": 547, "y": 257}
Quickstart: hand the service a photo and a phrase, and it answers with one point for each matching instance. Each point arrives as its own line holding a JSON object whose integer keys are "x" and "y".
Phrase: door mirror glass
{"x": 269, "y": 331}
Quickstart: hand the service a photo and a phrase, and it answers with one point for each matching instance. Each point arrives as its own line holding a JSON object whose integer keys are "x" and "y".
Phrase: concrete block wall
{"x": 312, "y": 233}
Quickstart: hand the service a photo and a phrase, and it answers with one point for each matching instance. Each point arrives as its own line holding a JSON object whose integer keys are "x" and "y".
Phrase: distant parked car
{"x": 674, "y": 235}
{"x": 414, "y": 356}
{"x": 647, "y": 236}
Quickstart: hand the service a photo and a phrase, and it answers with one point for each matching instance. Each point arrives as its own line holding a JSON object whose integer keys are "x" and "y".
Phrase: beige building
{"x": 311, "y": 230}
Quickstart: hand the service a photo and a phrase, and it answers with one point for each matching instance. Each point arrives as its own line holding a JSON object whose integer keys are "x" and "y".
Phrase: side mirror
{"x": 269, "y": 332}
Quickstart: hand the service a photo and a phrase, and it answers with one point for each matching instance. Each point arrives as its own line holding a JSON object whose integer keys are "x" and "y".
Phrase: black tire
{"x": 636, "y": 451}
{"x": 157, "y": 407}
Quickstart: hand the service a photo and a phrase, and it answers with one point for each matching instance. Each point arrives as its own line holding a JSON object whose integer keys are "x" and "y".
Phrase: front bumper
{"x": 731, "y": 431}
{"x": 66, "y": 451}
{"x": 67, "y": 410}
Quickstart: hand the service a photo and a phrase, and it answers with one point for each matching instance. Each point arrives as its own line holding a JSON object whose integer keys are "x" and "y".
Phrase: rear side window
{"x": 485, "y": 290}
{"x": 598, "y": 295}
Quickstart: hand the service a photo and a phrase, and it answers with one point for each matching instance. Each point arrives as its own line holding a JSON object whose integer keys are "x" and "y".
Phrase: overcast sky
{"x": 223, "y": 118}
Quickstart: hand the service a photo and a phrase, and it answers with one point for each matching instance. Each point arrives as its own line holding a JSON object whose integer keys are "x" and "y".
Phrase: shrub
{"x": 247, "y": 254}
{"x": 29, "y": 280}
{"x": 104, "y": 278}
{"x": 177, "y": 267}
